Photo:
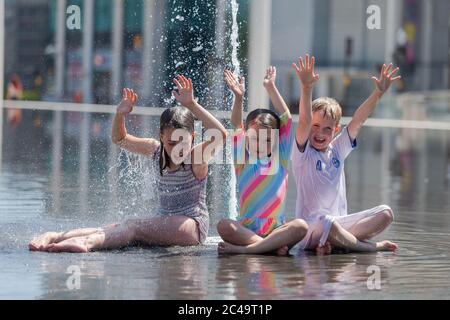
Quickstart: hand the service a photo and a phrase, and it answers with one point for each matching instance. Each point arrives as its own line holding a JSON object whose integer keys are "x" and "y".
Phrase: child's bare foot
{"x": 41, "y": 242}
{"x": 225, "y": 247}
{"x": 283, "y": 251}
{"x": 386, "y": 246}
{"x": 74, "y": 245}
{"x": 324, "y": 250}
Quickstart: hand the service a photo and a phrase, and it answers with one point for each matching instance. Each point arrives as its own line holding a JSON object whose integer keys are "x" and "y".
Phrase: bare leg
{"x": 366, "y": 228}
{"x": 286, "y": 235}
{"x": 174, "y": 230}
{"x": 371, "y": 226}
{"x": 344, "y": 239}
{"x": 234, "y": 233}
{"x": 41, "y": 242}
{"x": 168, "y": 231}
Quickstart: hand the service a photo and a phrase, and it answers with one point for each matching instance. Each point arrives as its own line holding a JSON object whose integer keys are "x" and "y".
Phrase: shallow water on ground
{"x": 406, "y": 169}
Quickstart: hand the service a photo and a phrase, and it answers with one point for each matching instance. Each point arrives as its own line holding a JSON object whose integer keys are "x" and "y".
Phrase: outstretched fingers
{"x": 302, "y": 64}
{"x": 130, "y": 95}
{"x": 178, "y": 83}
{"x": 268, "y": 72}
{"x": 393, "y": 73}
{"x": 386, "y": 71}
{"x": 230, "y": 77}
{"x": 135, "y": 98}
{"x": 185, "y": 83}
{"x": 382, "y": 71}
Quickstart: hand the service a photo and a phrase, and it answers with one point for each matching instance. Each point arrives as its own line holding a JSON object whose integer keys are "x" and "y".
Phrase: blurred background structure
{"x": 143, "y": 43}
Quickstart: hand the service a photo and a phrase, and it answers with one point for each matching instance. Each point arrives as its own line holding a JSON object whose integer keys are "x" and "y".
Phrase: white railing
{"x": 154, "y": 111}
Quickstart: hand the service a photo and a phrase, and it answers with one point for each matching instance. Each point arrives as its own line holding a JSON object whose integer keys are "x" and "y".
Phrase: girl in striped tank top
{"x": 182, "y": 217}
{"x": 262, "y": 149}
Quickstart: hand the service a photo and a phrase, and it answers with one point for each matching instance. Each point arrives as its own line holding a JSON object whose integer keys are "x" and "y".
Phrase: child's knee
{"x": 388, "y": 214}
{"x": 190, "y": 239}
{"x": 299, "y": 226}
{"x": 224, "y": 227}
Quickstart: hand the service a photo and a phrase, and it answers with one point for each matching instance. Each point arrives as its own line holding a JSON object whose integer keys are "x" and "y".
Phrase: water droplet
{"x": 198, "y": 48}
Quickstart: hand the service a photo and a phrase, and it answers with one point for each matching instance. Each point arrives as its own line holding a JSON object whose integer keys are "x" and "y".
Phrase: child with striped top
{"x": 180, "y": 215}
{"x": 262, "y": 149}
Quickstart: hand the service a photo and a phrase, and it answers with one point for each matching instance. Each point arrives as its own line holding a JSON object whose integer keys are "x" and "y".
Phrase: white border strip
{"x": 2, "y": 72}
{"x": 153, "y": 111}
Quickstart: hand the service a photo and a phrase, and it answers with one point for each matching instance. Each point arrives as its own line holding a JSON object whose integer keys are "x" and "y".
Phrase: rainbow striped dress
{"x": 262, "y": 183}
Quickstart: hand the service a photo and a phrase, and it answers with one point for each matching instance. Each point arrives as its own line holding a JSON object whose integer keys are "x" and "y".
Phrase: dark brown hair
{"x": 174, "y": 118}
{"x": 263, "y": 117}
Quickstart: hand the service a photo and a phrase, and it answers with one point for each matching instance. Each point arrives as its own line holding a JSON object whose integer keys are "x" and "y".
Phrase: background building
{"x": 27, "y": 36}
{"x": 414, "y": 34}
{"x": 144, "y": 43}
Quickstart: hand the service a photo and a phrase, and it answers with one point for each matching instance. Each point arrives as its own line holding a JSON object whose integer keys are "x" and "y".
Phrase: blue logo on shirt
{"x": 319, "y": 165}
{"x": 336, "y": 162}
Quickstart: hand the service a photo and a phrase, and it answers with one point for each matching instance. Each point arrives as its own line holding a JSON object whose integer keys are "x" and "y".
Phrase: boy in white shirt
{"x": 318, "y": 166}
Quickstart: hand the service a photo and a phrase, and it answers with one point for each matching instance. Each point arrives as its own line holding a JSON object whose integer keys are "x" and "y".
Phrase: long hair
{"x": 174, "y": 118}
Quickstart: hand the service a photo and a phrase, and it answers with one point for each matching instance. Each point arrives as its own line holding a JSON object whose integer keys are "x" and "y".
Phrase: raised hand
{"x": 235, "y": 85}
{"x": 387, "y": 77}
{"x": 185, "y": 94}
{"x": 305, "y": 71}
{"x": 129, "y": 99}
{"x": 271, "y": 77}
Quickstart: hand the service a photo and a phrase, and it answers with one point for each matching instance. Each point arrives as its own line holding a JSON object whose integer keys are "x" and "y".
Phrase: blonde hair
{"x": 330, "y": 108}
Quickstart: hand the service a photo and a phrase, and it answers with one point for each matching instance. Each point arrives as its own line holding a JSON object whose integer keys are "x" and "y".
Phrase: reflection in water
{"x": 404, "y": 168}
{"x": 300, "y": 277}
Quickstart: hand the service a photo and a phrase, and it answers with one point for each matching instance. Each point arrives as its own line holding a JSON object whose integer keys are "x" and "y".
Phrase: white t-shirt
{"x": 320, "y": 178}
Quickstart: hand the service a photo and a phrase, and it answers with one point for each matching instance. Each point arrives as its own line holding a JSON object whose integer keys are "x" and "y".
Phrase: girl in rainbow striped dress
{"x": 262, "y": 150}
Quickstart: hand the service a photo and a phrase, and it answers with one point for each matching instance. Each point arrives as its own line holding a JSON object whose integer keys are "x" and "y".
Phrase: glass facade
{"x": 183, "y": 41}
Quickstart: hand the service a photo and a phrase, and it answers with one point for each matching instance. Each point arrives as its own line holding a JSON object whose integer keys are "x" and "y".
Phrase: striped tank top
{"x": 262, "y": 186}
{"x": 181, "y": 193}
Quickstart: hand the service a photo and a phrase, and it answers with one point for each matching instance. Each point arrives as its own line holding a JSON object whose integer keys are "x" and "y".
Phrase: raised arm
{"x": 119, "y": 134}
{"x": 307, "y": 76}
{"x": 238, "y": 89}
{"x": 275, "y": 96}
{"x": 185, "y": 96}
{"x": 387, "y": 77}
